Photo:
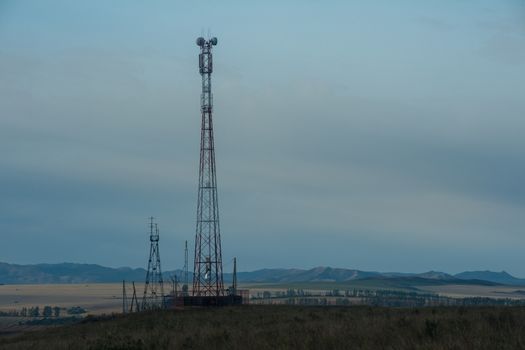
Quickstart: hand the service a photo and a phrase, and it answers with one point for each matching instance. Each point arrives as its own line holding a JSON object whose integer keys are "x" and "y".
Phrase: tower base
{"x": 212, "y": 300}
{"x": 208, "y": 301}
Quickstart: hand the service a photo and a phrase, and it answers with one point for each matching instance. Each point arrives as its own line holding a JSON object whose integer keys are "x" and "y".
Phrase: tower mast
{"x": 207, "y": 276}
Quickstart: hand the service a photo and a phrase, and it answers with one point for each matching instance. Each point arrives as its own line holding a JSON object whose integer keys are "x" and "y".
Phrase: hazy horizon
{"x": 376, "y": 135}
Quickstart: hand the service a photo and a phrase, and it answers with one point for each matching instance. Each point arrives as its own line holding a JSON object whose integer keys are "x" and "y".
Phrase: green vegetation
{"x": 290, "y": 327}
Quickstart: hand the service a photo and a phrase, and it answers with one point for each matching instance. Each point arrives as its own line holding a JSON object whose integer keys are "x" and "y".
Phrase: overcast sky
{"x": 378, "y": 135}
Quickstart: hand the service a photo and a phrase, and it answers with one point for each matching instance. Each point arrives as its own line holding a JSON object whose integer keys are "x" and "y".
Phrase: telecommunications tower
{"x": 207, "y": 276}
{"x": 154, "y": 287}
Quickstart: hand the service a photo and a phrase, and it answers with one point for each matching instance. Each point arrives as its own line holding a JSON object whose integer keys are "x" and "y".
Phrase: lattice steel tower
{"x": 207, "y": 277}
{"x": 154, "y": 287}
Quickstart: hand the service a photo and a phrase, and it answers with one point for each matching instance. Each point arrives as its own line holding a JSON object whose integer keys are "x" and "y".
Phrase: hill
{"x": 318, "y": 274}
{"x": 92, "y": 273}
{"x": 289, "y": 327}
{"x": 66, "y": 273}
{"x": 497, "y": 277}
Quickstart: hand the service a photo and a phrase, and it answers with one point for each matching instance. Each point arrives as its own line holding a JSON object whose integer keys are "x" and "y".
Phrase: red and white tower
{"x": 207, "y": 276}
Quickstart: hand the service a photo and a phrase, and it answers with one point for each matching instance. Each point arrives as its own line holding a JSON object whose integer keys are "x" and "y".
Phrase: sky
{"x": 376, "y": 135}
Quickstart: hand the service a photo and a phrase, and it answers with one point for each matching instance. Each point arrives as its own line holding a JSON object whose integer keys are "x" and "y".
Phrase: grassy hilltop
{"x": 290, "y": 327}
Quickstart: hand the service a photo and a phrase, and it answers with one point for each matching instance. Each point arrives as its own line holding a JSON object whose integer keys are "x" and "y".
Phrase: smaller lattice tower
{"x": 154, "y": 287}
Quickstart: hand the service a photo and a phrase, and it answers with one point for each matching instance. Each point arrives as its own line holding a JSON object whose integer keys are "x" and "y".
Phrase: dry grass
{"x": 288, "y": 327}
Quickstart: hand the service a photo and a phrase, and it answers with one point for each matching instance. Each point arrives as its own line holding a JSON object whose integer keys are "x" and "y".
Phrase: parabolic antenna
{"x": 200, "y": 41}
{"x": 213, "y": 41}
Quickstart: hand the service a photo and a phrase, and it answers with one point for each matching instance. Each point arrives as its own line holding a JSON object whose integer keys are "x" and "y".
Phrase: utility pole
{"x": 234, "y": 284}
{"x": 124, "y": 297}
{"x": 174, "y": 285}
{"x": 186, "y": 263}
{"x": 134, "y": 300}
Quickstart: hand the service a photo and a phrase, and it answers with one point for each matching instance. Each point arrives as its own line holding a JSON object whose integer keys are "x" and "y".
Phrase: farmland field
{"x": 96, "y": 298}
{"x": 105, "y": 298}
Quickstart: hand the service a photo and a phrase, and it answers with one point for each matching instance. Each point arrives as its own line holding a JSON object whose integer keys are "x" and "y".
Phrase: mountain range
{"x": 92, "y": 273}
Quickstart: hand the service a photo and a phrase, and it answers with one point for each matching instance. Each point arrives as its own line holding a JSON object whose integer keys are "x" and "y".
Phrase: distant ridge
{"x": 339, "y": 275}
{"x": 497, "y": 277}
{"x": 66, "y": 273}
{"x": 317, "y": 274}
{"x": 92, "y": 273}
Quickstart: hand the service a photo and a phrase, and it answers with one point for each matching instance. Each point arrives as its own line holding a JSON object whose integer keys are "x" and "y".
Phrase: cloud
{"x": 356, "y": 152}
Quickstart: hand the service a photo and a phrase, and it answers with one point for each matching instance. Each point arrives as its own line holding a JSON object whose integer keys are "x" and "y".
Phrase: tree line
{"x": 45, "y": 312}
{"x": 374, "y": 297}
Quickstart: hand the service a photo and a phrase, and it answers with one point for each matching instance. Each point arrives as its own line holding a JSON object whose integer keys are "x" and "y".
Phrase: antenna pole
{"x": 186, "y": 263}
{"x": 134, "y": 300}
{"x": 234, "y": 284}
{"x": 124, "y": 297}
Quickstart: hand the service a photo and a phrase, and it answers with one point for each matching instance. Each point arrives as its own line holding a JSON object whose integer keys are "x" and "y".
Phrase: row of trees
{"x": 290, "y": 293}
{"x": 392, "y": 298}
{"x": 46, "y": 312}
